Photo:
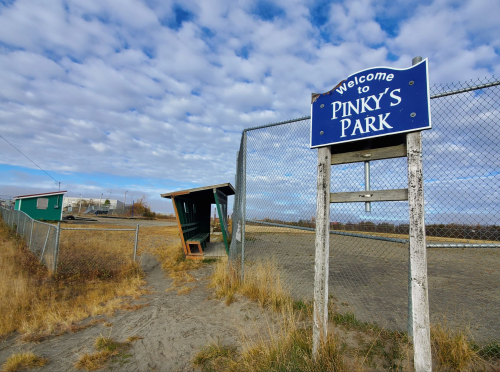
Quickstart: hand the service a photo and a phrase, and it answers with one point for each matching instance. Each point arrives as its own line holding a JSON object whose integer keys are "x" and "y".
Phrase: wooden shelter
{"x": 192, "y": 210}
{"x": 44, "y": 207}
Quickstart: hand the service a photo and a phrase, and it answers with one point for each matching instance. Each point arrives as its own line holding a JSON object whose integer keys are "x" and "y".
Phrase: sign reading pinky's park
{"x": 371, "y": 103}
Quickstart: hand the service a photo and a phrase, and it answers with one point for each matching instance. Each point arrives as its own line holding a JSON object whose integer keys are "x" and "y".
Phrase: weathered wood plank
{"x": 418, "y": 256}
{"x": 198, "y": 238}
{"x": 371, "y": 196}
{"x": 364, "y": 155}
{"x": 322, "y": 245}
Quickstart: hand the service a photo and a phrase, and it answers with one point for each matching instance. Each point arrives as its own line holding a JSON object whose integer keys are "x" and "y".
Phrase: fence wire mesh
{"x": 275, "y": 207}
{"x": 75, "y": 251}
{"x": 99, "y": 252}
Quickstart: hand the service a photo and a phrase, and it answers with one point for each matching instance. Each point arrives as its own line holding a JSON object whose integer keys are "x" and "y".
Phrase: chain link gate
{"x": 276, "y": 197}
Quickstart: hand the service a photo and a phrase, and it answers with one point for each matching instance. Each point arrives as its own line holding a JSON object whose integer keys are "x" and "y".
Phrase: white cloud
{"x": 106, "y": 87}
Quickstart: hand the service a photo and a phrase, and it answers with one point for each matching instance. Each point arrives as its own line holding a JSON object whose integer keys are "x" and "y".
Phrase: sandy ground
{"x": 370, "y": 279}
{"x": 174, "y": 328}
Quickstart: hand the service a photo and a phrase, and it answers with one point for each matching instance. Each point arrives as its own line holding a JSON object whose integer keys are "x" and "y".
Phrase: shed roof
{"x": 202, "y": 193}
{"x": 38, "y": 195}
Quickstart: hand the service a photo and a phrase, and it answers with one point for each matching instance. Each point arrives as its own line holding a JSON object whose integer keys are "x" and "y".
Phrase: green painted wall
{"x": 28, "y": 206}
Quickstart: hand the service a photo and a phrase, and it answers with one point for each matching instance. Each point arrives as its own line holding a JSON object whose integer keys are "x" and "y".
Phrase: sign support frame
{"x": 418, "y": 287}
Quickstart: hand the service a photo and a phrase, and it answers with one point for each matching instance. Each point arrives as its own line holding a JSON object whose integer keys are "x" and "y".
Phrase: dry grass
{"x": 40, "y": 304}
{"x": 454, "y": 351}
{"x": 262, "y": 283}
{"x": 21, "y": 361}
{"x": 107, "y": 350}
{"x": 288, "y": 348}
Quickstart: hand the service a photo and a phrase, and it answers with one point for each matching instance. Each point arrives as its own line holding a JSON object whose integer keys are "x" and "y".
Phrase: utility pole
{"x": 80, "y": 209}
{"x": 100, "y": 197}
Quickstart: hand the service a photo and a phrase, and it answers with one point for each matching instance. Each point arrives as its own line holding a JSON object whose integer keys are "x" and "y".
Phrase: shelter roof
{"x": 204, "y": 193}
{"x": 38, "y": 195}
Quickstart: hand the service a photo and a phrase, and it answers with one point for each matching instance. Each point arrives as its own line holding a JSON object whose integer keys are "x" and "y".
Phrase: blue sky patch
{"x": 179, "y": 16}
{"x": 268, "y": 11}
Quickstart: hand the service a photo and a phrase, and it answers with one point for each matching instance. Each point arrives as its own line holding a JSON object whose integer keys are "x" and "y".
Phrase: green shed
{"x": 43, "y": 207}
{"x": 192, "y": 210}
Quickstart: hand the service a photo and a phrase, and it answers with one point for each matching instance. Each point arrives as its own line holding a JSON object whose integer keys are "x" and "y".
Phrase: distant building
{"x": 46, "y": 206}
{"x": 75, "y": 202}
{"x": 7, "y": 203}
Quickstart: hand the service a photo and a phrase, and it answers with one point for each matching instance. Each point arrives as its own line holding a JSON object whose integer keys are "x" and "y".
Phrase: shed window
{"x": 42, "y": 203}
{"x": 186, "y": 209}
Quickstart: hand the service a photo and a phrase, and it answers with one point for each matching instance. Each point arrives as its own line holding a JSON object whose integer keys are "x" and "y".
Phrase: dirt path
{"x": 174, "y": 328}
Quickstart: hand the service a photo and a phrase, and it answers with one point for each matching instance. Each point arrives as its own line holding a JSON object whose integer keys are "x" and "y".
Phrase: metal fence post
{"x": 45, "y": 245}
{"x": 136, "y": 240}
{"x": 243, "y": 203}
{"x": 56, "y": 250}
{"x": 31, "y": 232}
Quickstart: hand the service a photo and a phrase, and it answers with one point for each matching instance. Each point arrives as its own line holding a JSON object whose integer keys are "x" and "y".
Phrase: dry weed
{"x": 20, "y": 361}
{"x": 106, "y": 348}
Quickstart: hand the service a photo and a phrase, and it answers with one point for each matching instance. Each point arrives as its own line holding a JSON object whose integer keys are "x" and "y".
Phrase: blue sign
{"x": 371, "y": 103}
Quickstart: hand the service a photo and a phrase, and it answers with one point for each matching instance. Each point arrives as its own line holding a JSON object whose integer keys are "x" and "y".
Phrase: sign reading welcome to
{"x": 371, "y": 103}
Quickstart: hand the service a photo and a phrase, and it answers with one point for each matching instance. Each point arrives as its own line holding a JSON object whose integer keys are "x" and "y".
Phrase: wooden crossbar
{"x": 368, "y": 155}
{"x": 371, "y": 196}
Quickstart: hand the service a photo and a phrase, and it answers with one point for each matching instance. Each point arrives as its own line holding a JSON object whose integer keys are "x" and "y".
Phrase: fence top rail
{"x": 374, "y": 237}
{"x": 94, "y": 229}
{"x": 462, "y": 245}
{"x": 434, "y": 96}
{"x": 43, "y": 223}
{"x": 18, "y": 211}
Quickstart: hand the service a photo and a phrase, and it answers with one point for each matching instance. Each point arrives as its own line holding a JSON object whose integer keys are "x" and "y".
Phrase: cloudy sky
{"x": 151, "y": 96}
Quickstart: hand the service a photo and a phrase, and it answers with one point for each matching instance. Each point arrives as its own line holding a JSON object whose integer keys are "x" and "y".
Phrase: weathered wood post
{"x": 418, "y": 254}
{"x": 322, "y": 244}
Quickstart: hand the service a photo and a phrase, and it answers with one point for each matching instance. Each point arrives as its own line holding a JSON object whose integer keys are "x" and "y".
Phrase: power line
{"x": 56, "y": 181}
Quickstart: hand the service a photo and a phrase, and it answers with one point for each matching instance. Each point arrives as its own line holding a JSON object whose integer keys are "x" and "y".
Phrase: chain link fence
{"x": 75, "y": 251}
{"x": 275, "y": 207}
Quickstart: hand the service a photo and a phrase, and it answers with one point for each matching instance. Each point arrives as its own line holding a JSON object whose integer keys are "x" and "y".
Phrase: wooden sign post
{"x": 322, "y": 245}
{"x": 418, "y": 254}
{"x": 375, "y": 140}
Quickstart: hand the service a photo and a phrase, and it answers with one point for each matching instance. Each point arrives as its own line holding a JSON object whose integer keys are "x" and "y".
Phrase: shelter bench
{"x": 197, "y": 241}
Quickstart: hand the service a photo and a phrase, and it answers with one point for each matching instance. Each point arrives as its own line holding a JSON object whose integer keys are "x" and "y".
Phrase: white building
{"x": 75, "y": 202}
